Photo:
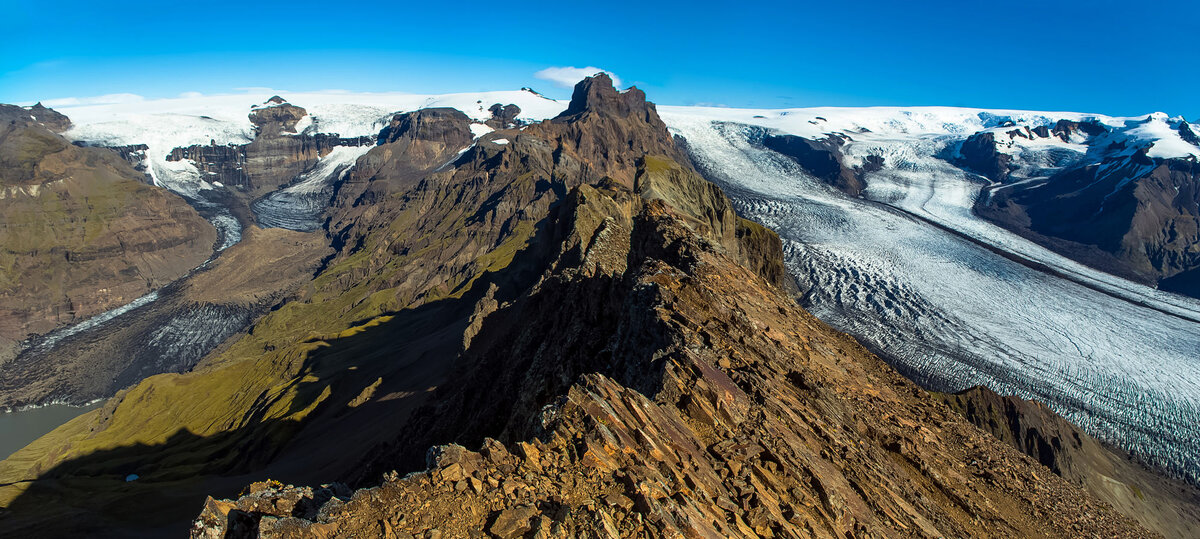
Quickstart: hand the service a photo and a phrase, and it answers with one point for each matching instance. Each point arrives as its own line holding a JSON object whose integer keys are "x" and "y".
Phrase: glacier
{"x": 953, "y": 301}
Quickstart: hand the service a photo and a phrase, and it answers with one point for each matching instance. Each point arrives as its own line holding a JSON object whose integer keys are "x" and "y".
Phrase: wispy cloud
{"x": 568, "y": 76}
{"x": 95, "y": 100}
{"x": 187, "y": 95}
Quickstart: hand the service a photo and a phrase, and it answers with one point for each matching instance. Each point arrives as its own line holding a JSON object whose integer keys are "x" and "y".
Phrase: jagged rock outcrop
{"x": 80, "y": 232}
{"x": 503, "y": 116}
{"x": 584, "y": 298}
{"x": 50, "y": 118}
{"x": 1168, "y": 507}
{"x": 1187, "y": 134}
{"x": 276, "y": 117}
{"x": 979, "y": 153}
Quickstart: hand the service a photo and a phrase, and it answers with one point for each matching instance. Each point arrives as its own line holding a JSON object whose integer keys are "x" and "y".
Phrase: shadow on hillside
{"x": 376, "y": 400}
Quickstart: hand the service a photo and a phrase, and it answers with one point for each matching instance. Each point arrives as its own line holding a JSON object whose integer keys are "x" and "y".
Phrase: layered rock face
{"x": 276, "y": 156}
{"x": 80, "y": 233}
{"x": 613, "y": 350}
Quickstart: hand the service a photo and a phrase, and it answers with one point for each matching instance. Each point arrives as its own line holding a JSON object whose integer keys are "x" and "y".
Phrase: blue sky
{"x": 1120, "y": 58}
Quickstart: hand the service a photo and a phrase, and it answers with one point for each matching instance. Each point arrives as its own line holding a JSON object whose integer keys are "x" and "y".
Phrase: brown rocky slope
{"x": 714, "y": 407}
{"x": 587, "y": 311}
{"x": 1169, "y": 507}
{"x": 79, "y": 232}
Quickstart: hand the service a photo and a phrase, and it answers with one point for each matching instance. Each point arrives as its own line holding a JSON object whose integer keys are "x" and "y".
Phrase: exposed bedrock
{"x": 276, "y": 156}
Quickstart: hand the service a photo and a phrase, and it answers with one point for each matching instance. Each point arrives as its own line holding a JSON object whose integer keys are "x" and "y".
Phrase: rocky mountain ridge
{"x": 572, "y": 298}
{"x": 1119, "y": 207}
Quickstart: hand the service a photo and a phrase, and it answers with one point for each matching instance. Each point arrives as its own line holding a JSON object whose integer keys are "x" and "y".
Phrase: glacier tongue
{"x": 943, "y": 295}
{"x": 299, "y": 206}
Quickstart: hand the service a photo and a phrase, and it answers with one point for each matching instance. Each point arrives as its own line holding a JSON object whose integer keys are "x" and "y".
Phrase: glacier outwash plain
{"x": 945, "y": 298}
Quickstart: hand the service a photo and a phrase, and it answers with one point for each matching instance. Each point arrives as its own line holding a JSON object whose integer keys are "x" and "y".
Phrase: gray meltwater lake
{"x": 19, "y": 428}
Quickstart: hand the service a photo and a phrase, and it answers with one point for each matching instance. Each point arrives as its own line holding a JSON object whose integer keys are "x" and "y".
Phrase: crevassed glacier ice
{"x": 950, "y": 304}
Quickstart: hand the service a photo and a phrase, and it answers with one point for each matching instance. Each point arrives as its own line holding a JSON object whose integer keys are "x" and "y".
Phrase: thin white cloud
{"x": 109, "y": 99}
{"x": 567, "y": 77}
{"x": 187, "y": 95}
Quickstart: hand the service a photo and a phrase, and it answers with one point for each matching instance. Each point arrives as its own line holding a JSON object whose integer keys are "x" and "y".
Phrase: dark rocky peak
{"x": 1022, "y": 132}
{"x": 534, "y": 92}
{"x": 979, "y": 153}
{"x": 52, "y": 119}
{"x": 441, "y": 124}
{"x": 823, "y": 159}
{"x": 1091, "y": 128}
{"x": 12, "y": 115}
{"x": 1188, "y": 134}
{"x": 503, "y": 116}
{"x": 597, "y": 94}
{"x": 609, "y": 131}
{"x": 277, "y": 118}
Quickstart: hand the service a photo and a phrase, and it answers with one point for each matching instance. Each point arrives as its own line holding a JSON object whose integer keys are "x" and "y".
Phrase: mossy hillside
{"x": 379, "y": 327}
{"x": 22, "y": 150}
{"x": 271, "y": 376}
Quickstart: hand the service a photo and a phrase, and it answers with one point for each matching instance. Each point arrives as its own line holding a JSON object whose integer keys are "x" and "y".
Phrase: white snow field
{"x": 954, "y": 301}
{"x": 165, "y": 124}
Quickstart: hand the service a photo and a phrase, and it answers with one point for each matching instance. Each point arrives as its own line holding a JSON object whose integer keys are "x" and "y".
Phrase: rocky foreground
{"x": 590, "y": 340}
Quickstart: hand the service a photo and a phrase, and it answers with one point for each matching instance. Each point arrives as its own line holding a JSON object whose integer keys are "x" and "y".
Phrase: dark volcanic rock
{"x": 1187, "y": 134}
{"x": 1091, "y": 128}
{"x": 447, "y": 126}
{"x": 276, "y": 119}
{"x": 823, "y": 159}
{"x": 221, "y": 163}
{"x": 503, "y": 116}
{"x": 52, "y": 119}
{"x": 979, "y": 153}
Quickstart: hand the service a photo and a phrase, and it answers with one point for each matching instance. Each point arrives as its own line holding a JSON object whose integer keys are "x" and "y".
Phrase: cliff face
{"x": 582, "y": 307}
{"x": 276, "y": 156}
{"x": 80, "y": 233}
{"x": 1170, "y": 508}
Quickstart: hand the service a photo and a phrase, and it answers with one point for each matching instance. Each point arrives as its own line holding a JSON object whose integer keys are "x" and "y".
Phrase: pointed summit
{"x": 597, "y": 94}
